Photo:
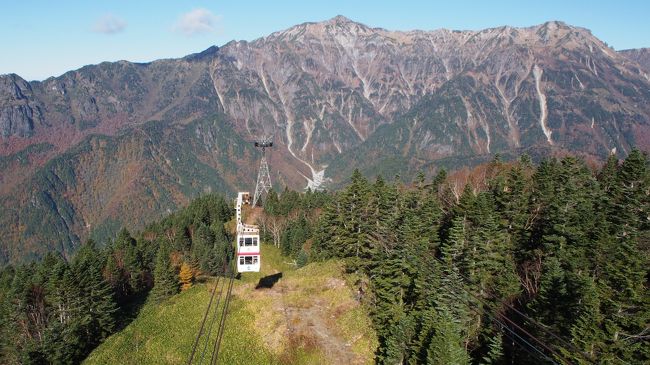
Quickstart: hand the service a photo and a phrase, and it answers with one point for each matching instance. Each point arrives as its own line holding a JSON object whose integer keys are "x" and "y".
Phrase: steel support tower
{"x": 263, "y": 177}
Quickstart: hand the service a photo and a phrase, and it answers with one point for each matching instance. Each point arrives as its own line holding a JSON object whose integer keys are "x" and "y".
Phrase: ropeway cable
{"x": 205, "y": 316}
{"x": 214, "y": 317}
{"x": 224, "y": 314}
{"x": 506, "y": 318}
{"x": 502, "y": 325}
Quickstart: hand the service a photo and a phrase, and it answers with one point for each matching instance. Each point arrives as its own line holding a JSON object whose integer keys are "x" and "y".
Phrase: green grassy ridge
{"x": 164, "y": 333}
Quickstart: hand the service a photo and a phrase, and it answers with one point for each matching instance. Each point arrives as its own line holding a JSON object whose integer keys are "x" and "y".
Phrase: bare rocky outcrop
{"x": 19, "y": 112}
{"x": 640, "y": 56}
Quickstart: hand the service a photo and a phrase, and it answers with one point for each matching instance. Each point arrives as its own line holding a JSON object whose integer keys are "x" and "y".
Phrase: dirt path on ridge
{"x": 295, "y": 318}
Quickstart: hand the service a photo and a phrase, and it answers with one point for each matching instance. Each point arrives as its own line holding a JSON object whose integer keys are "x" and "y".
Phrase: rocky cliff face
{"x": 640, "y": 56}
{"x": 101, "y": 94}
{"x": 336, "y": 95}
{"x": 19, "y": 110}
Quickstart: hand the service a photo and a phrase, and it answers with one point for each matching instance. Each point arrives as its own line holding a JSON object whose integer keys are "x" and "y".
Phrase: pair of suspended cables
{"x": 212, "y": 322}
{"x": 222, "y": 323}
{"x": 522, "y": 330}
{"x": 514, "y": 336}
{"x": 212, "y": 316}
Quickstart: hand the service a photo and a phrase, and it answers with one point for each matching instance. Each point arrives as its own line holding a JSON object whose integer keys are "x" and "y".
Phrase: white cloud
{"x": 197, "y": 21}
{"x": 109, "y": 24}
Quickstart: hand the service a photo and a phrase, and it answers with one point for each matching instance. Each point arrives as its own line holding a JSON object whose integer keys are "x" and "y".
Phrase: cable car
{"x": 248, "y": 252}
{"x": 248, "y": 239}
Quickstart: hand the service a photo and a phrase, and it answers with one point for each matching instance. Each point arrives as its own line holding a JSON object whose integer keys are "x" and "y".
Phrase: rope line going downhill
{"x": 214, "y": 317}
{"x": 540, "y": 342}
{"x": 224, "y": 315}
{"x": 217, "y": 316}
{"x": 205, "y": 316}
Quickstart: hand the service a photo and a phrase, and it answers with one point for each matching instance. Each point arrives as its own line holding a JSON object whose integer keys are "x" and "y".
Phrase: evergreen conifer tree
{"x": 446, "y": 346}
{"x": 495, "y": 349}
{"x": 95, "y": 318}
{"x": 165, "y": 282}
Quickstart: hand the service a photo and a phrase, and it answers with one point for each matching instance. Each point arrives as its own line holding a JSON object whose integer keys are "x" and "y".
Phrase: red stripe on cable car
{"x": 247, "y": 253}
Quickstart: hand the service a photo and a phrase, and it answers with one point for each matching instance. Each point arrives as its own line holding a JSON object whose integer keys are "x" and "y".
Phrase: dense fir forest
{"x": 525, "y": 265}
{"x": 56, "y": 312}
{"x": 510, "y": 263}
{"x": 520, "y": 265}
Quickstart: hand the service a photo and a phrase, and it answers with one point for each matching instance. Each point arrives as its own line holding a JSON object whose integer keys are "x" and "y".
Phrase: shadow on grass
{"x": 267, "y": 282}
{"x": 129, "y": 310}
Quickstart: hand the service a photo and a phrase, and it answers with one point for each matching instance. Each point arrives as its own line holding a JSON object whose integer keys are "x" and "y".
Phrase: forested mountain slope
{"x": 336, "y": 95}
{"x": 521, "y": 265}
{"x": 503, "y": 263}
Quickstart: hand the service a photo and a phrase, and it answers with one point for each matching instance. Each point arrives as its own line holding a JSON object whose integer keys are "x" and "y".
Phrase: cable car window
{"x": 254, "y": 241}
{"x": 248, "y": 260}
{"x": 249, "y": 241}
{"x": 241, "y": 241}
{"x": 254, "y": 259}
{"x": 241, "y": 260}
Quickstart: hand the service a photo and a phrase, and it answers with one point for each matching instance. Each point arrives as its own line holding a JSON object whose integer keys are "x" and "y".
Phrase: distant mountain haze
{"x": 123, "y": 143}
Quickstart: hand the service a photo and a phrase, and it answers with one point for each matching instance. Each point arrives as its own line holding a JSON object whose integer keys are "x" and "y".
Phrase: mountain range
{"x": 123, "y": 143}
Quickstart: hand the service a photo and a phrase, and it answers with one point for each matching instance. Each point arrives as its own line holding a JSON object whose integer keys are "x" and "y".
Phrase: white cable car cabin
{"x": 248, "y": 239}
{"x": 248, "y": 252}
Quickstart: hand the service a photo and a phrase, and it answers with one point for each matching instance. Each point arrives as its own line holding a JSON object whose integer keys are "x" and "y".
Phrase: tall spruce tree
{"x": 446, "y": 346}
{"x": 625, "y": 303}
{"x": 165, "y": 282}
{"x": 452, "y": 293}
{"x": 97, "y": 303}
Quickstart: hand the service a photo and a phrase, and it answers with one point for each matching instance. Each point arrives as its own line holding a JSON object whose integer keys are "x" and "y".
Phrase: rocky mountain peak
{"x": 340, "y": 24}
{"x": 562, "y": 35}
{"x": 14, "y": 86}
{"x": 18, "y": 110}
{"x": 336, "y": 27}
{"x": 341, "y": 20}
{"x": 208, "y": 53}
{"x": 555, "y": 25}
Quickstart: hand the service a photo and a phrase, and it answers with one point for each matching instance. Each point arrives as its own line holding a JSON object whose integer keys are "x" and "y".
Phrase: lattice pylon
{"x": 263, "y": 181}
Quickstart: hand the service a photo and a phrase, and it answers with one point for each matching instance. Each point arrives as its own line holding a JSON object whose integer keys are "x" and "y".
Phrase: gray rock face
{"x": 640, "y": 56}
{"x": 326, "y": 88}
{"x": 18, "y": 110}
{"x": 16, "y": 120}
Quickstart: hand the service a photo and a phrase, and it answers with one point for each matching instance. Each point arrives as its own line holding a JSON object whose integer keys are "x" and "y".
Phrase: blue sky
{"x": 42, "y": 38}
